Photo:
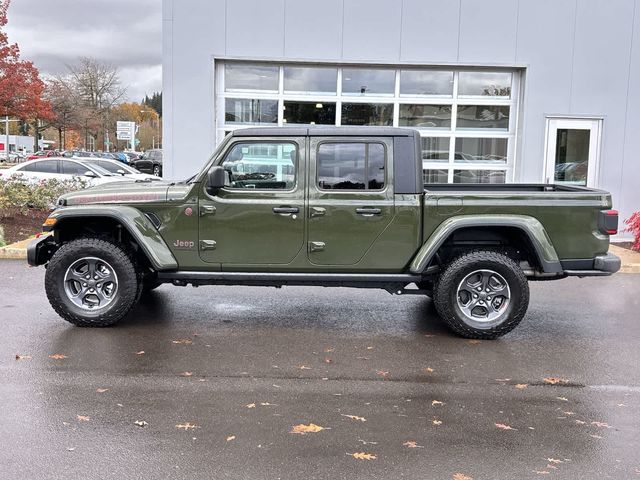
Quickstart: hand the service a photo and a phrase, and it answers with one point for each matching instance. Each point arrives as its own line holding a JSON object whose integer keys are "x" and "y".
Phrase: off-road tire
{"x": 128, "y": 282}
{"x": 446, "y": 294}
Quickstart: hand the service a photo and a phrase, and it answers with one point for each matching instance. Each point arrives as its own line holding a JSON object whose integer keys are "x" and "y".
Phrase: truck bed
{"x": 464, "y": 188}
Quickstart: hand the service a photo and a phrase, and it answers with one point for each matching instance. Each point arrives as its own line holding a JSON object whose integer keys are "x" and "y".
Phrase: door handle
{"x": 367, "y": 212}
{"x": 317, "y": 212}
{"x": 285, "y": 210}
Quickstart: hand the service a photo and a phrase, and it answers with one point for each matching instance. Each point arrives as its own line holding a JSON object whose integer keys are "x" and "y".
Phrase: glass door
{"x": 573, "y": 150}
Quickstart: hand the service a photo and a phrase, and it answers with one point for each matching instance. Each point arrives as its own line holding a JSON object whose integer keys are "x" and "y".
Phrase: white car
{"x": 119, "y": 168}
{"x": 61, "y": 169}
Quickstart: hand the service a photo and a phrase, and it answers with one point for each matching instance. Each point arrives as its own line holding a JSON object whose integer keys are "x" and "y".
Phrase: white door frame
{"x": 593, "y": 124}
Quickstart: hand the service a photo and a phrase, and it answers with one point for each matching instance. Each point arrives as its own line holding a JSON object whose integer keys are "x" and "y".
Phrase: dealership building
{"x": 500, "y": 90}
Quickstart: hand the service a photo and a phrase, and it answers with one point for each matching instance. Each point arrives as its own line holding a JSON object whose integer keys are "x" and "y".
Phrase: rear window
{"x": 351, "y": 166}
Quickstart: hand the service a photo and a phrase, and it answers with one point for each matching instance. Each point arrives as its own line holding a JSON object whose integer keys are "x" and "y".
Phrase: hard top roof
{"x": 324, "y": 132}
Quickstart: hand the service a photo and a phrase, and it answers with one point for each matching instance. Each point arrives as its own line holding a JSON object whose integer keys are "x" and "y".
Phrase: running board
{"x": 386, "y": 281}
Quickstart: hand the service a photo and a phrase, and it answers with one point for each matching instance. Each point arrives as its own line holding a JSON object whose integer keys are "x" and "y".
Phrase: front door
{"x": 350, "y": 198}
{"x": 258, "y": 217}
{"x": 573, "y": 147}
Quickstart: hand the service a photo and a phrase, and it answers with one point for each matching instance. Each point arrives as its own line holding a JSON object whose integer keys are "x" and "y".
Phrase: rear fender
{"x": 530, "y": 226}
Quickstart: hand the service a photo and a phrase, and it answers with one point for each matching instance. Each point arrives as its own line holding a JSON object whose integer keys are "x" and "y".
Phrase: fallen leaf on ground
{"x": 580, "y": 422}
{"x": 412, "y": 444}
{"x": 569, "y": 413}
{"x": 267, "y": 404}
{"x": 102, "y": 390}
{"x": 369, "y": 348}
{"x": 596, "y": 436}
{"x": 186, "y": 426}
{"x": 474, "y": 342}
{"x": 231, "y": 437}
{"x": 437, "y": 422}
{"x": 182, "y": 341}
{"x": 563, "y": 399}
{"x": 186, "y": 374}
{"x": 521, "y": 386}
{"x": 502, "y": 426}
{"x": 541, "y": 472}
{"x": 250, "y": 405}
{"x": 83, "y": 418}
{"x": 328, "y": 360}
{"x": 503, "y": 380}
{"x": 141, "y": 423}
{"x": 382, "y": 373}
{"x": 601, "y": 424}
{"x": 303, "y": 429}
{"x": 303, "y": 367}
{"x": 329, "y": 350}
{"x": 555, "y": 380}
{"x": 354, "y": 417}
{"x": 461, "y": 476}
{"x": 428, "y": 370}
{"x": 58, "y": 356}
{"x": 436, "y": 402}
{"x": 363, "y": 456}
{"x": 141, "y": 352}
{"x": 23, "y": 357}
{"x": 553, "y": 460}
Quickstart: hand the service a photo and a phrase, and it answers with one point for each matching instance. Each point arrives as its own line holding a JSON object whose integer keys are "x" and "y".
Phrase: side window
{"x": 261, "y": 165}
{"x": 73, "y": 168}
{"x": 45, "y": 166}
{"x": 351, "y": 166}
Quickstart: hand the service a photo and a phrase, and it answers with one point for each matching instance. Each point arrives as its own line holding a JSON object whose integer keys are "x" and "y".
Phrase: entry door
{"x": 573, "y": 150}
{"x": 258, "y": 217}
{"x": 350, "y": 198}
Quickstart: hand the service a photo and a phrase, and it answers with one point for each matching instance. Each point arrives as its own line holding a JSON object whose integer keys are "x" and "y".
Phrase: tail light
{"x": 608, "y": 222}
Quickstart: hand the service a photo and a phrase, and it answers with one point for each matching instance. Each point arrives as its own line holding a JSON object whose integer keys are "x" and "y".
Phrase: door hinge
{"x": 207, "y": 210}
{"x": 316, "y": 246}
{"x": 317, "y": 212}
{"x": 207, "y": 244}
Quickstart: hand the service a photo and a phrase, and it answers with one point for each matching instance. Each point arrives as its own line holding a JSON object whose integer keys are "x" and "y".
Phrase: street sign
{"x": 123, "y": 135}
{"x": 126, "y": 131}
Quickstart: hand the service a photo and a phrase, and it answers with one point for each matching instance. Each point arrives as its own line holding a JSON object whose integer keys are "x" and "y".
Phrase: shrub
{"x": 634, "y": 227}
{"x": 18, "y": 196}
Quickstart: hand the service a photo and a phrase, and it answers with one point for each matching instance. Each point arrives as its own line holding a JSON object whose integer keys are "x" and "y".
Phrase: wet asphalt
{"x": 228, "y": 373}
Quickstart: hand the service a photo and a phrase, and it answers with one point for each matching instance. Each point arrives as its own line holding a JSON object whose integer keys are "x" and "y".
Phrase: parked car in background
{"x": 132, "y": 156}
{"x": 121, "y": 157}
{"x": 119, "y": 168}
{"x": 43, "y": 154}
{"x": 150, "y": 162}
{"x": 77, "y": 154}
{"x": 61, "y": 169}
{"x": 14, "y": 157}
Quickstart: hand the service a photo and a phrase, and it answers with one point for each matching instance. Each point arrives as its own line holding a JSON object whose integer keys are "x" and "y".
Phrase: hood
{"x": 119, "y": 192}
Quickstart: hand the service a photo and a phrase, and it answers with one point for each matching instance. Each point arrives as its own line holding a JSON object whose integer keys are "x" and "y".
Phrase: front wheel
{"x": 91, "y": 282}
{"x": 482, "y": 295}
{"x": 157, "y": 170}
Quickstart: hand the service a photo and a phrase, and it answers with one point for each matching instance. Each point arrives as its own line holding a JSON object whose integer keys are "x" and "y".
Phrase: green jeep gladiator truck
{"x": 331, "y": 207}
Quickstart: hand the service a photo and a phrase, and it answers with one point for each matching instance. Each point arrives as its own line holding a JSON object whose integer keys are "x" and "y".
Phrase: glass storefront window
{"x": 309, "y": 113}
{"x": 368, "y": 81}
{"x": 426, "y": 82}
{"x": 435, "y": 176}
{"x": 485, "y": 84}
{"x": 242, "y": 77}
{"x": 425, "y": 116}
{"x": 435, "y": 149}
{"x": 245, "y": 111}
{"x": 479, "y": 176}
{"x": 310, "y": 80}
{"x": 483, "y": 116}
{"x": 367, "y": 114}
{"x": 481, "y": 150}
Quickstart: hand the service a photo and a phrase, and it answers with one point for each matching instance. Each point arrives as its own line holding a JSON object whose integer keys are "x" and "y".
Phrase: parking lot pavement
{"x": 219, "y": 378}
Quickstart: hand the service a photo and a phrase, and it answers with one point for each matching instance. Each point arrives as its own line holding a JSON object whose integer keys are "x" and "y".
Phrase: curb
{"x": 630, "y": 259}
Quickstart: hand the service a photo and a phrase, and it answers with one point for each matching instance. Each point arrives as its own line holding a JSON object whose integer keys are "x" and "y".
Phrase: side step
{"x": 390, "y": 282}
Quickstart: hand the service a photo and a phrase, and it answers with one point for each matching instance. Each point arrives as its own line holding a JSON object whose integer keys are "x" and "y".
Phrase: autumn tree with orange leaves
{"x": 21, "y": 89}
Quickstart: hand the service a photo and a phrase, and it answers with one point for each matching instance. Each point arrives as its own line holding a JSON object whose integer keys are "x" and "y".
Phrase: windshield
{"x": 208, "y": 164}
{"x": 115, "y": 168}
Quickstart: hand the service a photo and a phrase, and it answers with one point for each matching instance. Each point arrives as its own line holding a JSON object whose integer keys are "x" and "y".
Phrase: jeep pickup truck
{"x": 331, "y": 207}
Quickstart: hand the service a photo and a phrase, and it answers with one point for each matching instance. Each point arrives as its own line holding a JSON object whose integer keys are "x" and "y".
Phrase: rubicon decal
{"x": 184, "y": 244}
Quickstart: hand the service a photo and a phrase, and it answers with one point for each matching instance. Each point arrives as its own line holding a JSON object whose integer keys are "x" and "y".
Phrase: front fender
{"x": 133, "y": 220}
{"x": 531, "y": 227}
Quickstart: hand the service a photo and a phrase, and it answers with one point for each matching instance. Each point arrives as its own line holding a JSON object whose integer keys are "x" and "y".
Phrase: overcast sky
{"x": 125, "y": 33}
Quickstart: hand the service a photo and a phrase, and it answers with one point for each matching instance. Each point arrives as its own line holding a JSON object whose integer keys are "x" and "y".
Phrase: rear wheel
{"x": 482, "y": 295}
{"x": 91, "y": 282}
{"x": 157, "y": 170}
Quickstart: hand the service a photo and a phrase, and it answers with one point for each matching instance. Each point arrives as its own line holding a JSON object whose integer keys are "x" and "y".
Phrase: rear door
{"x": 350, "y": 197}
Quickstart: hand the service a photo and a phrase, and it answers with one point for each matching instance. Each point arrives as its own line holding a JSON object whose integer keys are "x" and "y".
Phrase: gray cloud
{"x": 125, "y": 33}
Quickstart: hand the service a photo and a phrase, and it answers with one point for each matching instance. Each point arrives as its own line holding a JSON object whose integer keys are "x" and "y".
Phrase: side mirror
{"x": 90, "y": 174}
{"x": 121, "y": 172}
{"x": 217, "y": 178}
